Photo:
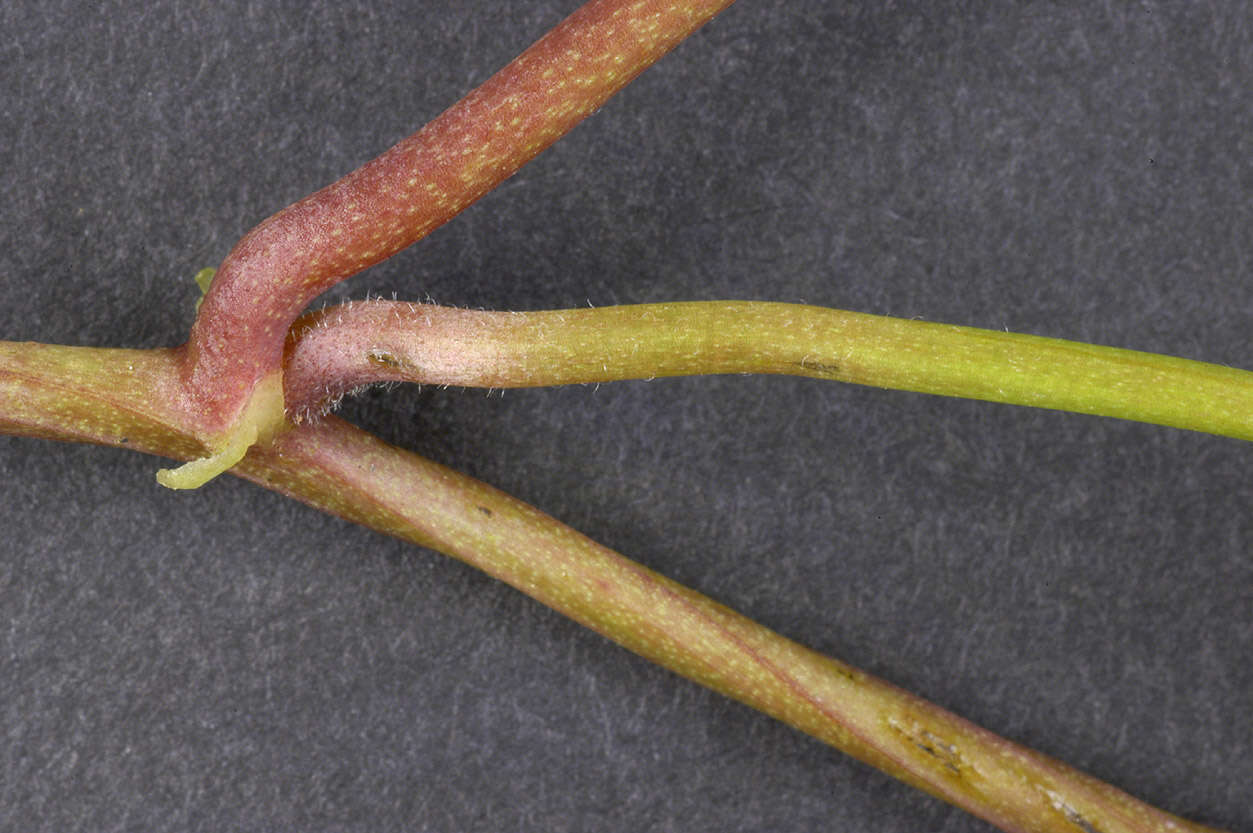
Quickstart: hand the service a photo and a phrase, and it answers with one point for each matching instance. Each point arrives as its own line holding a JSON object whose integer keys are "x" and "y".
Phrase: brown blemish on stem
{"x": 944, "y": 753}
{"x": 811, "y": 366}
{"x": 1079, "y": 821}
{"x": 1069, "y": 813}
{"x": 391, "y": 361}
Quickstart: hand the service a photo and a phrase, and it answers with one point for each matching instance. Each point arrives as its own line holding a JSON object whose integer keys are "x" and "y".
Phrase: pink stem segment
{"x": 420, "y": 183}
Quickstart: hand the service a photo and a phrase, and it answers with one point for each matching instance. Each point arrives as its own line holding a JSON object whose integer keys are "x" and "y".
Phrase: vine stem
{"x": 232, "y": 361}
{"x": 113, "y": 397}
{"x": 394, "y": 341}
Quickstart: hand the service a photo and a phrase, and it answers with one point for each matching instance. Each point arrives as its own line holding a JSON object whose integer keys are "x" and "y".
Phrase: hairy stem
{"x": 390, "y": 341}
{"x": 396, "y": 199}
{"x": 106, "y": 396}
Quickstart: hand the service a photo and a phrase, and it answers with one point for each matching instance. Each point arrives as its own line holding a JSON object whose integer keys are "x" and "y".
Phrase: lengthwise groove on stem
{"x": 375, "y": 341}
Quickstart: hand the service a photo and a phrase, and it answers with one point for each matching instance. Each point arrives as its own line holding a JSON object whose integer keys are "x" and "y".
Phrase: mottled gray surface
{"x": 229, "y": 660}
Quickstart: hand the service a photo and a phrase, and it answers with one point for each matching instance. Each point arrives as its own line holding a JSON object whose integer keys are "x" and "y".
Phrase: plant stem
{"x": 913, "y": 740}
{"x": 397, "y": 198}
{"x": 391, "y": 341}
{"x": 106, "y": 396}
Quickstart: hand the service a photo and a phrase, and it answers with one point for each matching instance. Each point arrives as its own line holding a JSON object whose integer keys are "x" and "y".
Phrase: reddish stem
{"x": 417, "y": 185}
{"x": 119, "y": 397}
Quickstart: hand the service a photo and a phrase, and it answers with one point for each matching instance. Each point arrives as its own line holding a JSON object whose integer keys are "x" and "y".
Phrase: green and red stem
{"x": 224, "y": 392}
{"x": 119, "y": 398}
{"x": 338, "y": 349}
{"x": 420, "y": 183}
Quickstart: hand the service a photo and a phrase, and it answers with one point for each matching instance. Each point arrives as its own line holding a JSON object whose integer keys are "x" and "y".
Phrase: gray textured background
{"x": 229, "y": 660}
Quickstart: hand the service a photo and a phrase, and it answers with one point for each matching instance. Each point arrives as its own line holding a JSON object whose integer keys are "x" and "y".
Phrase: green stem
{"x": 913, "y": 740}
{"x": 107, "y": 396}
{"x": 388, "y": 341}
